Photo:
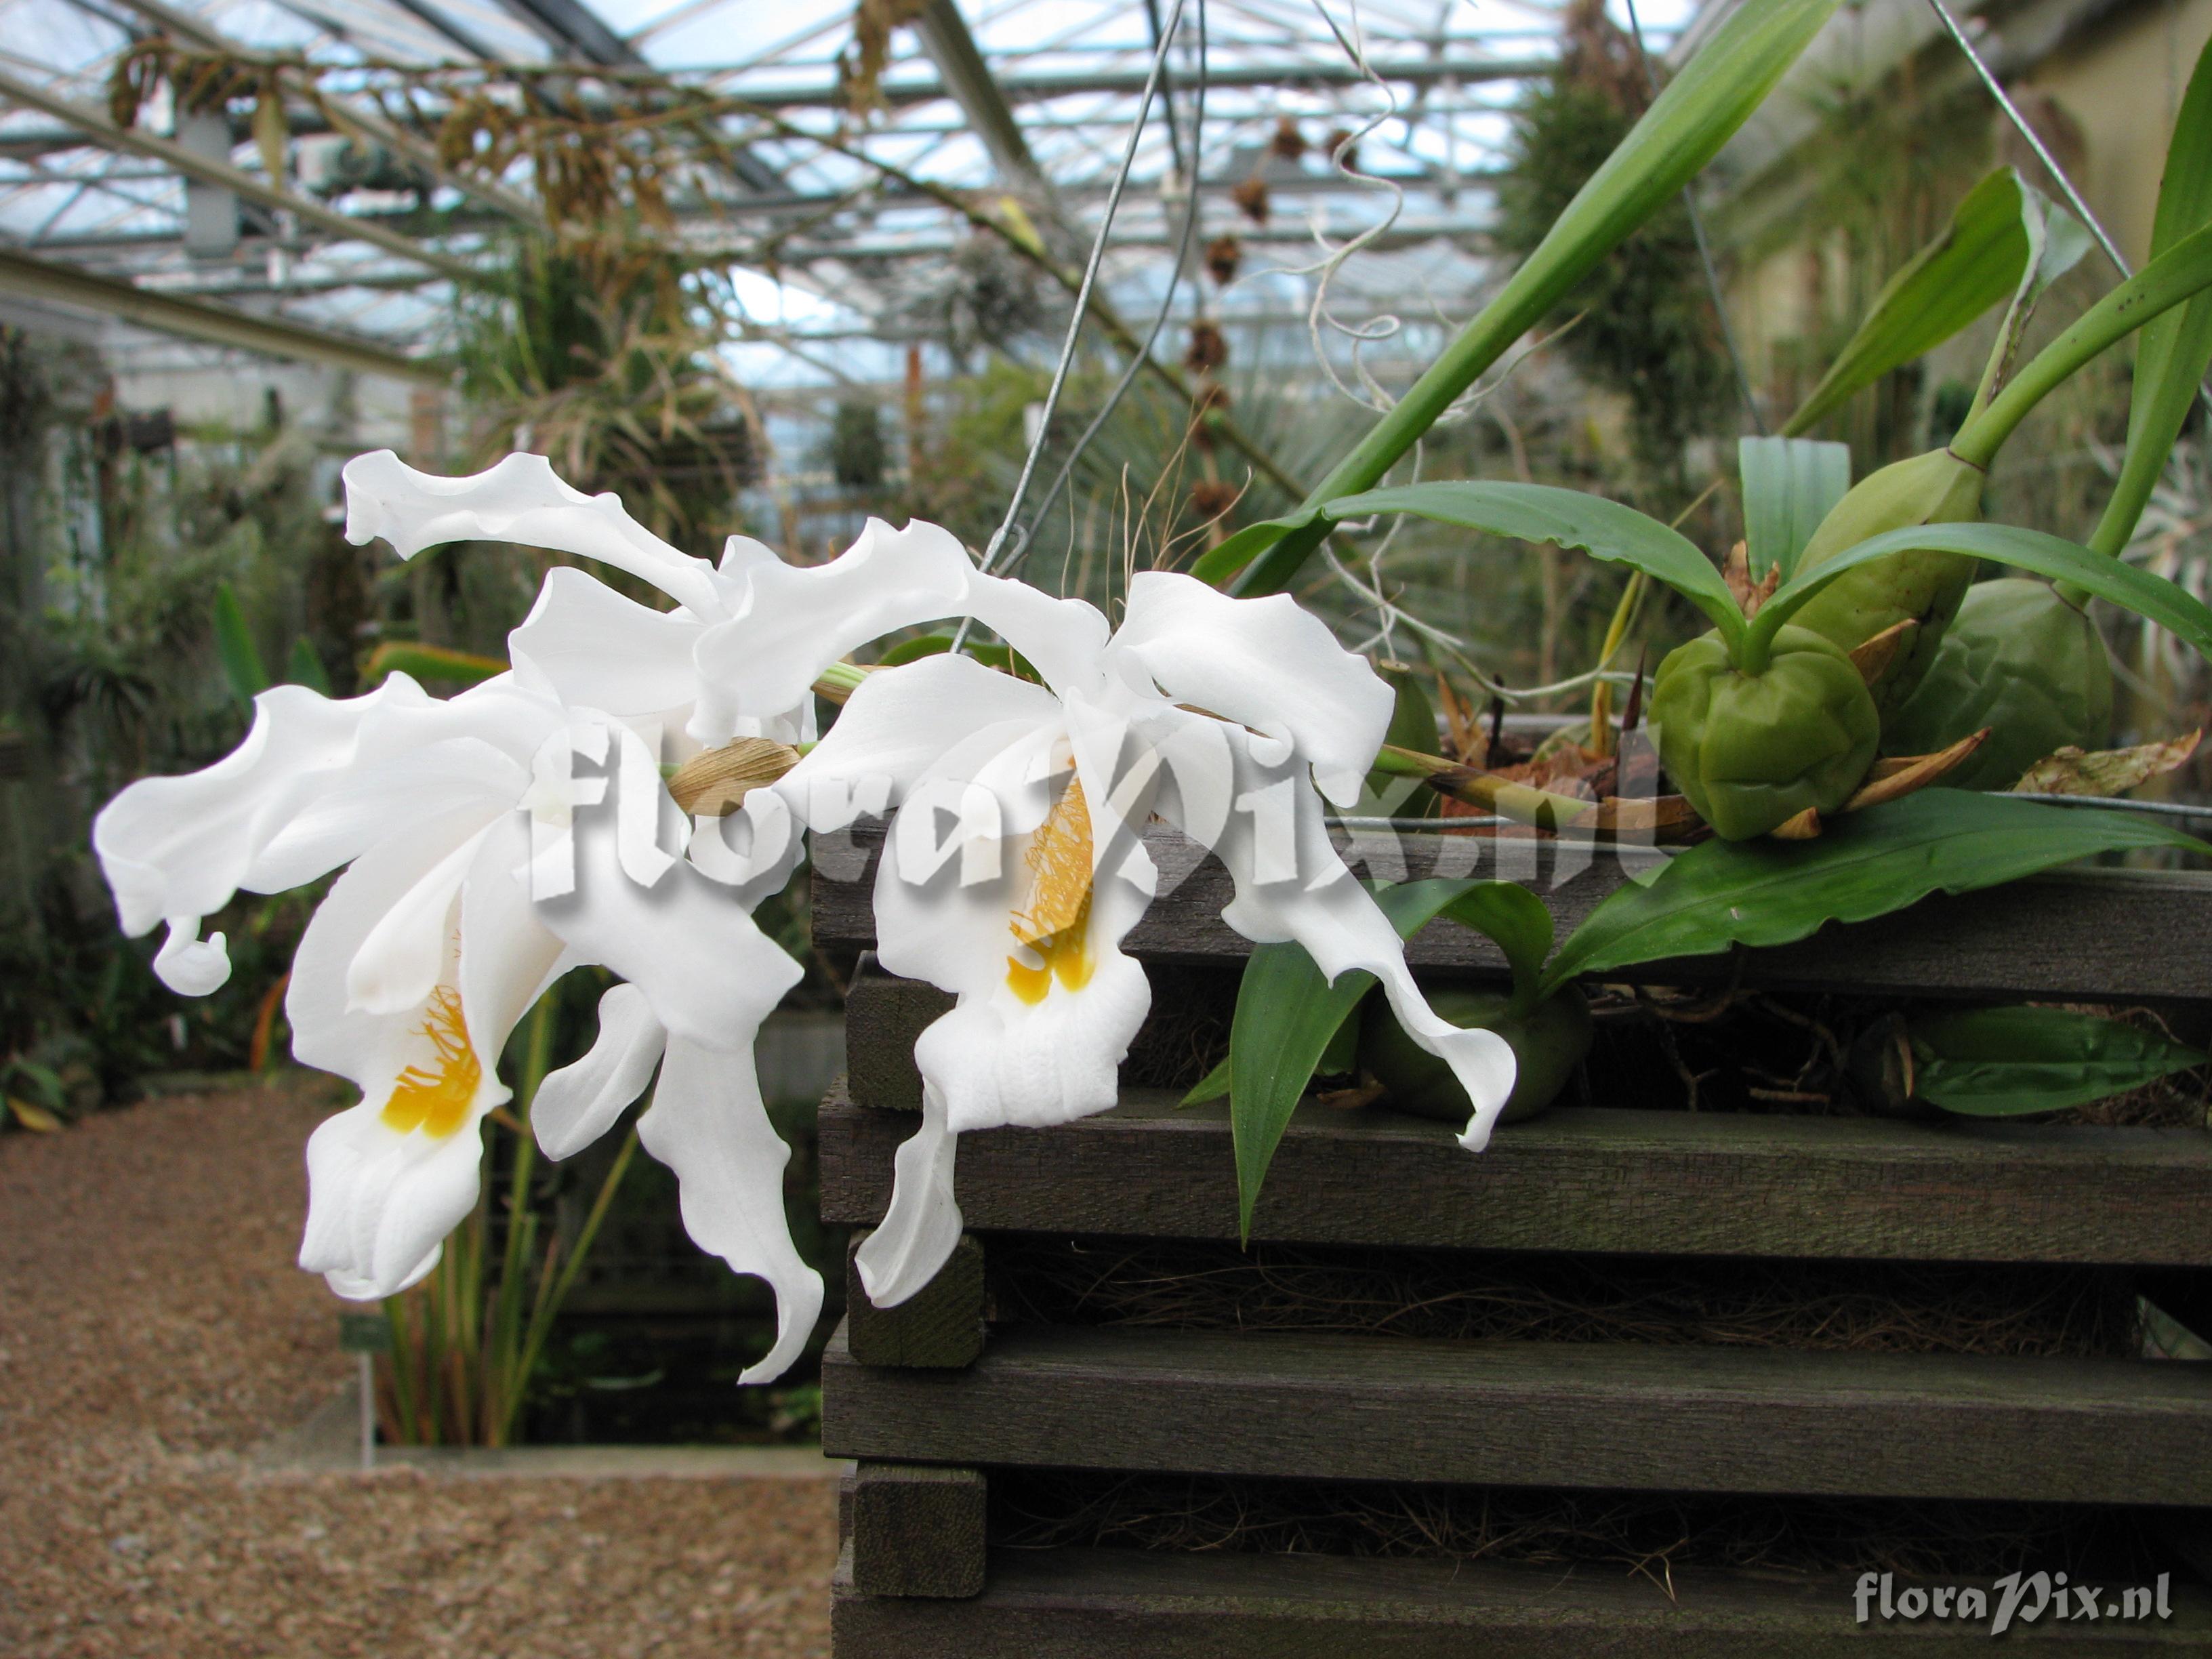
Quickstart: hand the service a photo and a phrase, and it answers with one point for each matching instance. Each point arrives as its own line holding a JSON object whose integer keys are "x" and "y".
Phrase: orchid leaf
{"x": 1976, "y": 262}
{"x": 2175, "y": 348}
{"x": 305, "y": 667}
{"x": 2148, "y": 596}
{"x": 2006, "y": 1062}
{"x": 1722, "y": 893}
{"x": 2172, "y": 278}
{"x": 2056, "y": 241}
{"x": 1541, "y": 513}
{"x": 1700, "y": 109}
{"x": 1289, "y": 1018}
{"x": 1518, "y": 923}
{"x": 2073, "y": 771}
{"x": 1219, "y": 564}
{"x": 1788, "y": 485}
{"x": 429, "y": 662}
{"x": 235, "y": 647}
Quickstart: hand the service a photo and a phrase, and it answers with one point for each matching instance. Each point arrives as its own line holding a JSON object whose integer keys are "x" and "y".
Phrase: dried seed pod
{"x": 716, "y": 783}
{"x": 1207, "y": 350}
{"x": 1251, "y": 197}
{"x": 1344, "y": 148}
{"x": 1289, "y": 142}
{"x": 1211, "y": 498}
{"x": 1211, "y": 400}
{"x": 1222, "y": 255}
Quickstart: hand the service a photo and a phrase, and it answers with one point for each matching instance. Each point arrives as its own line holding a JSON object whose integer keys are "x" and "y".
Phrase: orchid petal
{"x": 519, "y": 500}
{"x": 184, "y": 846}
{"x": 708, "y": 1123}
{"x": 687, "y": 942}
{"x": 887, "y": 579}
{"x": 188, "y": 964}
{"x": 1293, "y": 885}
{"x": 1263, "y": 663}
{"x": 594, "y": 648}
{"x": 577, "y": 1103}
{"x": 897, "y": 726}
{"x": 922, "y": 1227}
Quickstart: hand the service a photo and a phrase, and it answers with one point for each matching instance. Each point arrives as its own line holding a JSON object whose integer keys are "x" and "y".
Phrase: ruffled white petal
{"x": 593, "y": 648}
{"x": 688, "y": 942}
{"x": 922, "y": 1225}
{"x": 795, "y": 621}
{"x": 1291, "y": 884}
{"x": 1263, "y": 663}
{"x": 708, "y": 1123}
{"x": 898, "y": 726}
{"x": 519, "y": 500}
{"x": 188, "y": 964}
{"x": 182, "y": 847}
{"x": 581, "y": 1102}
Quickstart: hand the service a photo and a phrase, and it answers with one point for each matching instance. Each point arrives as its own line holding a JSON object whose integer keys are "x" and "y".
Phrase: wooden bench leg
{"x": 941, "y": 1325}
{"x": 914, "y": 1530}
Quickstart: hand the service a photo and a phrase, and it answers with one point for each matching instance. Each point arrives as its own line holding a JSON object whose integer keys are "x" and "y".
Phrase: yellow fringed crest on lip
{"x": 437, "y": 1100}
{"x": 1056, "y": 923}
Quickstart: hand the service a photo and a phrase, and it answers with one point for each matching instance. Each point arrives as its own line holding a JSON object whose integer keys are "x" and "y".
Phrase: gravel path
{"x": 153, "y": 1329}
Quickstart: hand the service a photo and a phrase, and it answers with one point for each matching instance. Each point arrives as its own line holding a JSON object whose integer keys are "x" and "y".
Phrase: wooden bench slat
{"x": 2092, "y": 934}
{"x": 1546, "y": 1414}
{"x": 1114, "y": 1604}
{"x": 1609, "y": 1181}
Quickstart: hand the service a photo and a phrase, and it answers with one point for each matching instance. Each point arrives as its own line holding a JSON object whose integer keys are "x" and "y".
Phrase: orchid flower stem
{"x": 550, "y": 1299}
{"x": 502, "y": 1395}
{"x": 2175, "y": 276}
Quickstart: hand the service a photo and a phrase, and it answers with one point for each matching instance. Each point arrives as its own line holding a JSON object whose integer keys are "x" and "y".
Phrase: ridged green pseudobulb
{"x": 2020, "y": 660}
{"x": 1548, "y": 1042}
{"x": 1921, "y": 585}
{"x": 1753, "y": 750}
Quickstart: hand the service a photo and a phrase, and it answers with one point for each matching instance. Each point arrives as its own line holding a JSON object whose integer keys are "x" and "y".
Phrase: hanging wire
{"x": 2041, "y": 154}
{"x": 1704, "y": 249}
{"x": 1082, "y": 293}
{"x": 1022, "y": 541}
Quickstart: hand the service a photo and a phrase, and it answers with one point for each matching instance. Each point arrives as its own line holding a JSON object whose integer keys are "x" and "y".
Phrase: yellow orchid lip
{"x": 1054, "y": 925}
{"x": 437, "y": 1100}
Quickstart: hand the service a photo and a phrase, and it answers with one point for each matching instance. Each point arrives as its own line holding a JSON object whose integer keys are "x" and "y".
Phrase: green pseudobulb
{"x": 1922, "y": 585}
{"x": 1753, "y": 750}
{"x": 1548, "y": 1042}
{"x": 2021, "y": 661}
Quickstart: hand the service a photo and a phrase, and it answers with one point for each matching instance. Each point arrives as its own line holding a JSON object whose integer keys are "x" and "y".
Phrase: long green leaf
{"x": 305, "y": 667}
{"x": 1288, "y": 1018}
{"x": 429, "y": 662}
{"x": 1866, "y": 864}
{"x": 1518, "y": 923}
{"x": 1541, "y": 513}
{"x": 2149, "y": 595}
{"x": 1976, "y": 263}
{"x": 2004, "y": 1062}
{"x": 2180, "y": 274}
{"x": 1686, "y": 126}
{"x": 2175, "y": 349}
{"x": 1788, "y": 485}
{"x": 2056, "y": 241}
{"x": 234, "y": 648}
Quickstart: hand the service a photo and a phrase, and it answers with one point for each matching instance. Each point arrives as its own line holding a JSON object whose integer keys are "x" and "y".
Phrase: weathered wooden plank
{"x": 915, "y": 1530}
{"x": 2090, "y": 934}
{"x": 1119, "y": 1604}
{"x": 1629, "y": 1416}
{"x": 884, "y": 1015}
{"x": 938, "y": 1326}
{"x": 1591, "y": 1179}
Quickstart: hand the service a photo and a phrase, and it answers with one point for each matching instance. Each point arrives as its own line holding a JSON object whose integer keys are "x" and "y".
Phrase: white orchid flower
{"x": 473, "y": 882}
{"x": 1231, "y": 719}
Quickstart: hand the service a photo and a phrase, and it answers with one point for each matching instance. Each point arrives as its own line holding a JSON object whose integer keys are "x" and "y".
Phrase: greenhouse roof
{"x": 836, "y": 226}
